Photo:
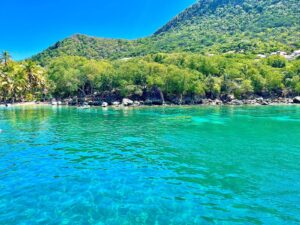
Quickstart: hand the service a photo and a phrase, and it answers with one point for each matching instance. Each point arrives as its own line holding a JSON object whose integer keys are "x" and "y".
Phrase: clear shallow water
{"x": 195, "y": 165}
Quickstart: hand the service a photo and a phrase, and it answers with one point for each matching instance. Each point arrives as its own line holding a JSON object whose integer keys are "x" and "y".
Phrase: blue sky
{"x": 29, "y": 26}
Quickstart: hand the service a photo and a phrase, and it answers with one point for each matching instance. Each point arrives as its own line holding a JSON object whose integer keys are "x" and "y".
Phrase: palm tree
{"x": 34, "y": 73}
{"x": 30, "y": 69}
{"x": 5, "y": 57}
{"x": 6, "y": 86}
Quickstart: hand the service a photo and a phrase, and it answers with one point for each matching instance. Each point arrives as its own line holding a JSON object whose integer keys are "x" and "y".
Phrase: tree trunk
{"x": 161, "y": 96}
{"x": 180, "y": 99}
{"x": 82, "y": 91}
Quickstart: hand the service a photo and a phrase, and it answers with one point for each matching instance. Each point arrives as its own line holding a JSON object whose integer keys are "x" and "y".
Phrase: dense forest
{"x": 178, "y": 77}
{"x": 208, "y": 26}
{"x": 21, "y": 81}
{"x": 214, "y": 49}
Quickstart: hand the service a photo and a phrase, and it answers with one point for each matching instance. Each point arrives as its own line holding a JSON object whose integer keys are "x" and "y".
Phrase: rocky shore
{"x": 126, "y": 102}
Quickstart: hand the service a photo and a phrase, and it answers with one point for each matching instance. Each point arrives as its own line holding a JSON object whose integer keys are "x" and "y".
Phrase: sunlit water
{"x": 160, "y": 166}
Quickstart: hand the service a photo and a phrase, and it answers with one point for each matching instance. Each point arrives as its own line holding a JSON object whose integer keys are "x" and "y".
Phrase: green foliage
{"x": 23, "y": 81}
{"x": 176, "y": 75}
{"x": 277, "y": 61}
{"x": 209, "y": 26}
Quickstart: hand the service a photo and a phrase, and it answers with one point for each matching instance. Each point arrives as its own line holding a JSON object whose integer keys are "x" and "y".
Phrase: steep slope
{"x": 235, "y": 25}
{"x": 251, "y": 26}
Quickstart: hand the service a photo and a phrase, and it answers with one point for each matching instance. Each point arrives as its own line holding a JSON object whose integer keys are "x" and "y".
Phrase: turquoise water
{"x": 193, "y": 165}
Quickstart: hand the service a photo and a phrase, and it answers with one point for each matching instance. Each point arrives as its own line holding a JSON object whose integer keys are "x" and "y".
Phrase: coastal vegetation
{"x": 21, "y": 81}
{"x": 174, "y": 77}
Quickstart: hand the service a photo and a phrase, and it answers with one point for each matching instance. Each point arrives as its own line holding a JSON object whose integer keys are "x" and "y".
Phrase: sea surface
{"x": 160, "y": 166}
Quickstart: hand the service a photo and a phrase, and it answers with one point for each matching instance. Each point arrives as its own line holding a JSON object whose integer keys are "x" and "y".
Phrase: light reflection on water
{"x": 188, "y": 165}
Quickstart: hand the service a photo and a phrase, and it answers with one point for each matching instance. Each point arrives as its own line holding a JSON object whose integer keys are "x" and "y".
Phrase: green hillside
{"x": 208, "y": 26}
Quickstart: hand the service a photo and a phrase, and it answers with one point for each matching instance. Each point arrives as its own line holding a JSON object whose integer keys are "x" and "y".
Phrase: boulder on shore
{"x": 127, "y": 102}
{"x": 236, "y": 102}
{"x": 296, "y": 100}
{"x": 264, "y": 103}
{"x": 104, "y": 104}
{"x": 227, "y": 98}
{"x": 54, "y": 102}
{"x": 116, "y": 103}
{"x": 218, "y": 102}
{"x": 136, "y": 103}
{"x": 259, "y": 100}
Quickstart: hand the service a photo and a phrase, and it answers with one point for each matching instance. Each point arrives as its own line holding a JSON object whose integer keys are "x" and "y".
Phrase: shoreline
{"x": 217, "y": 103}
{"x": 24, "y": 104}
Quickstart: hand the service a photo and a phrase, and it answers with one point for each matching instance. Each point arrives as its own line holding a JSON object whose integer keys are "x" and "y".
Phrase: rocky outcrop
{"x": 236, "y": 102}
{"x": 127, "y": 102}
{"x": 265, "y": 103}
{"x": 109, "y": 96}
{"x": 104, "y": 104}
{"x": 227, "y": 98}
{"x": 154, "y": 96}
{"x": 212, "y": 102}
{"x": 137, "y": 103}
{"x": 296, "y": 100}
{"x": 116, "y": 103}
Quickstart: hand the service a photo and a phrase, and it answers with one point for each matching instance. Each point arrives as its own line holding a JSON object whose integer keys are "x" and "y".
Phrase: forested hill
{"x": 208, "y": 26}
{"x": 255, "y": 15}
{"x": 235, "y": 25}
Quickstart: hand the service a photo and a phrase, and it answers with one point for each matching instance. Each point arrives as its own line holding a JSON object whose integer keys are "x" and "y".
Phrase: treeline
{"x": 176, "y": 76}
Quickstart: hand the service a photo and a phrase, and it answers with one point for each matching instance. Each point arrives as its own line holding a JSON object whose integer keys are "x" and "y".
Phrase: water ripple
{"x": 189, "y": 165}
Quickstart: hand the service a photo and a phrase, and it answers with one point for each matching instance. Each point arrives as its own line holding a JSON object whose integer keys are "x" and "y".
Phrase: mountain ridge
{"x": 214, "y": 26}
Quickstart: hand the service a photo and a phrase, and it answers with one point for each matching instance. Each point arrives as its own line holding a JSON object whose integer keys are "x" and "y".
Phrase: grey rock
{"x": 236, "y": 102}
{"x": 104, "y": 104}
{"x": 136, "y": 103}
{"x": 259, "y": 100}
{"x": 54, "y": 102}
{"x": 127, "y": 102}
{"x": 207, "y": 101}
{"x": 218, "y": 102}
{"x": 116, "y": 103}
{"x": 230, "y": 98}
{"x": 264, "y": 103}
{"x": 296, "y": 100}
{"x": 250, "y": 102}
